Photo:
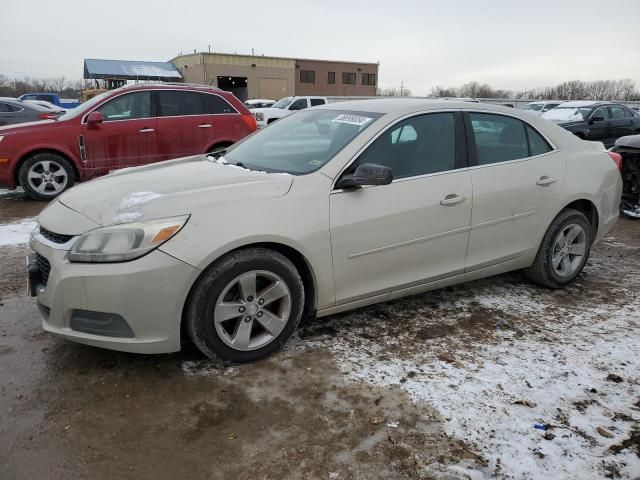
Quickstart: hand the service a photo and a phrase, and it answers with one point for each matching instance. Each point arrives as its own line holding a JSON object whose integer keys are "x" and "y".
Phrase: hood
{"x": 27, "y": 126}
{"x": 271, "y": 112}
{"x": 171, "y": 188}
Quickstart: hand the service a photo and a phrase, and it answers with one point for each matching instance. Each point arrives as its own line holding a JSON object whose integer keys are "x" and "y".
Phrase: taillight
{"x": 48, "y": 116}
{"x": 617, "y": 159}
{"x": 250, "y": 122}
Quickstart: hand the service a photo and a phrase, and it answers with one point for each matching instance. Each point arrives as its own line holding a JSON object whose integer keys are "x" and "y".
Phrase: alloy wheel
{"x": 252, "y": 310}
{"x": 47, "y": 177}
{"x": 569, "y": 249}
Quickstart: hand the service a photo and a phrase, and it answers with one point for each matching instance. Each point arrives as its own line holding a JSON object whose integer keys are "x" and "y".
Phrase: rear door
{"x": 517, "y": 177}
{"x": 126, "y": 137}
{"x": 183, "y": 126}
{"x": 220, "y": 123}
{"x": 416, "y": 229}
{"x": 621, "y": 123}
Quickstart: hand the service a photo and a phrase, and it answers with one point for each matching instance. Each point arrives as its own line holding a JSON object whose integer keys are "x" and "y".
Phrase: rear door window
{"x": 215, "y": 105}
{"x": 537, "y": 144}
{"x": 617, "y": 113}
{"x": 174, "y": 103}
{"x": 498, "y": 138}
{"x": 317, "y": 101}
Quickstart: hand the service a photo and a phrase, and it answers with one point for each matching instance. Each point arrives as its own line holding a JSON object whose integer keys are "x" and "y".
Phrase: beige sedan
{"x": 330, "y": 209}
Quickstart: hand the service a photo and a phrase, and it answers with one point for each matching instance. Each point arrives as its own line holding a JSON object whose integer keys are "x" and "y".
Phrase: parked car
{"x": 330, "y": 209}
{"x": 13, "y": 111}
{"x": 49, "y": 106}
{"x": 629, "y": 149}
{"x": 259, "y": 103}
{"x": 601, "y": 121}
{"x": 283, "y": 107}
{"x": 538, "y": 108}
{"x": 51, "y": 98}
{"x": 129, "y": 126}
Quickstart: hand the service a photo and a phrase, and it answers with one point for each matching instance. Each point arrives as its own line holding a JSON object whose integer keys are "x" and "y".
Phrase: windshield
{"x": 300, "y": 143}
{"x": 577, "y": 114}
{"x": 282, "y": 103}
{"x": 534, "y": 106}
{"x": 83, "y": 107}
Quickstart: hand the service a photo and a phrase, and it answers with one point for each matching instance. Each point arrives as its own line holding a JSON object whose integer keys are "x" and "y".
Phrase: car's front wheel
{"x": 46, "y": 175}
{"x": 564, "y": 250}
{"x": 246, "y": 306}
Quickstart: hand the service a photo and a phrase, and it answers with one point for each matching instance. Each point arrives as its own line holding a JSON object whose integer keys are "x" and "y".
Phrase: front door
{"x": 126, "y": 137}
{"x": 600, "y": 127}
{"x": 416, "y": 229}
{"x": 517, "y": 179}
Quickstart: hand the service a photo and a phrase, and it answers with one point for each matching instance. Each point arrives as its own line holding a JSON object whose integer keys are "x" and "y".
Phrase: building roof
{"x": 130, "y": 70}
{"x": 274, "y": 57}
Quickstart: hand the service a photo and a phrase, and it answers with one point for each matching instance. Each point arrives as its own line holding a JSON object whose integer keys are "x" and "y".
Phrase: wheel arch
{"x": 55, "y": 151}
{"x": 301, "y": 263}
{"x": 589, "y": 209}
{"x": 218, "y": 144}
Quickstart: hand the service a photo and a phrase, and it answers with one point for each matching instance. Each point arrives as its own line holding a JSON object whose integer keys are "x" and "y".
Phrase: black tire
{"x": 55, "y": 159}
{"x": 199, "y": 314}
{"x": 542, "y": 271}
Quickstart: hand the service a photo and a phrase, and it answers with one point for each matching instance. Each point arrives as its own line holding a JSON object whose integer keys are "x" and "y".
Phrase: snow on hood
{"x": 171, "y": 188}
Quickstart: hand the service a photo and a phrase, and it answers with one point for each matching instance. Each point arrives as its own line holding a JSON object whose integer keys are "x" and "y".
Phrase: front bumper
{"x": 133, "y": 306}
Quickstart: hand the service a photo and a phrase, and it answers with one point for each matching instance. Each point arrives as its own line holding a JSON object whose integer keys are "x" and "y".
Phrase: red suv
{"x": 127, "y": 127}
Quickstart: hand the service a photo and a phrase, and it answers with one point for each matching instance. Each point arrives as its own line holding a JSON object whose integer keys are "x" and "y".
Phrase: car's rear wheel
{"x": 46, "y": 175}
{"x": 246, "y": 306}
{"x": 564, "y": 250}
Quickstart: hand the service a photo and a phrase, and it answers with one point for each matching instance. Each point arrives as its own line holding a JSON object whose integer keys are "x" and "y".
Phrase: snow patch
{"x": 16, "y": 233}
{"x": 127, "y": 211}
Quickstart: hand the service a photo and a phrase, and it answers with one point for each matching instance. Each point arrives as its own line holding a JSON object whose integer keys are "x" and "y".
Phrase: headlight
{"x": 120, "y": 243}
{"x": 259, "y": 116}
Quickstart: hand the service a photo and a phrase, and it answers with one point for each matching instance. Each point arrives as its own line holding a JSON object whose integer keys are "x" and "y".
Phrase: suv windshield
{"x": 84, "y": 107}
{"x": 301, "y": 143}
{"x": 577, "y": 114}
{"x": 282, "y": 103}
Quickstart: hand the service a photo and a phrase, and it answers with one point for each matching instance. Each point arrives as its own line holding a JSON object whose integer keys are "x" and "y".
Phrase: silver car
{"x": 329, "y": 209}
{"x": 13, "y": 110}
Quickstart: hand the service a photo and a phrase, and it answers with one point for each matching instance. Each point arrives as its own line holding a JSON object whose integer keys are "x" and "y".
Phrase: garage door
{"x": 274, "y": 88}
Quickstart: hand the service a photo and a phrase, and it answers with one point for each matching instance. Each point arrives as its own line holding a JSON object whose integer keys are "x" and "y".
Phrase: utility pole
{"x": 401, "y": 86}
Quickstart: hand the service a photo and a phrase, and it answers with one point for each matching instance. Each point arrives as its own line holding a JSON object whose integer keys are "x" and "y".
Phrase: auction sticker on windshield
{"x": 351, "y": 119}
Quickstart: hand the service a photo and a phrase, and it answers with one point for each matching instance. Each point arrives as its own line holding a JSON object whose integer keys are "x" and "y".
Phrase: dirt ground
{"x": 419, "y": 388}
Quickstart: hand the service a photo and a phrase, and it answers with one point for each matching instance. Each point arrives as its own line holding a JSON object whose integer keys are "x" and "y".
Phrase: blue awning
{"x": 130, "y": 70}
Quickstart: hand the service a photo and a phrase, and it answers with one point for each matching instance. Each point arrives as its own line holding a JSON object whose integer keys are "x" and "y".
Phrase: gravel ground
{"x": 447, "y": 385}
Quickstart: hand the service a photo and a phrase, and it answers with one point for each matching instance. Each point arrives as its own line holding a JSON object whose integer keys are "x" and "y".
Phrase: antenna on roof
{"x": 209, "y": 48}
{"x": 252, "y": 54}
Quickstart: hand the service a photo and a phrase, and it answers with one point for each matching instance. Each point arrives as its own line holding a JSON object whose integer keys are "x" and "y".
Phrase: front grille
{"x": 45, "y": 268}
{"x": 54, "y": 237}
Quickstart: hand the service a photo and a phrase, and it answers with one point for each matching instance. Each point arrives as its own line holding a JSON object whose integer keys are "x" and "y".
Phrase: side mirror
{"x": 95, "y": 118}
{"x": 597, "y": 119}
{"x": 367, "y": 174}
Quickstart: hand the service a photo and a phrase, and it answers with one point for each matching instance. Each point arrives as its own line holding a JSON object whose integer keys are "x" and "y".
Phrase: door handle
{"x": 204, "y": 125}
{"x": 545, "y": 180}
{"x": 147, "y": 130}
{"x": 451, "y": 200}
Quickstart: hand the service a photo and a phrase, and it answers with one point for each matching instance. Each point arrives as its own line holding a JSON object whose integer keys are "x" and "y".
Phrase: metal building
{"x": 253, "y": 76}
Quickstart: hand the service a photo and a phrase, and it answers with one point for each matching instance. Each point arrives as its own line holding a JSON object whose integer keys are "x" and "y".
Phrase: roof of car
{"x": 162, "y": 85}
{"x": 388, "y": 105}
{"x": 582, "y": 103}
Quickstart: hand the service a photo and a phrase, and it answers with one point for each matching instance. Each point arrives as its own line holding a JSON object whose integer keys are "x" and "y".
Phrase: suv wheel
{"x": 46, "y": 175}
{"x": 246, "y": 306}
{"x": 564, "y": 250}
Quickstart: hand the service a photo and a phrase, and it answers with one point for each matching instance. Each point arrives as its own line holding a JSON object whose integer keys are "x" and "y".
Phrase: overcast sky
{"x": 513, "y": 44}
